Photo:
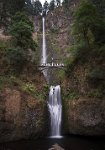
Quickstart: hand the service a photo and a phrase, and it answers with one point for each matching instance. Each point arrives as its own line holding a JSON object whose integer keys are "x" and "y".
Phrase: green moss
{"x": 54, "y": 30}
{"x": 31, "y": 89}
{"x": 70, "y": 95}
{"x": 96, "y": 93}
{"x": 11, "y": 81}
{"x": 5, "y": 81}
{"x": 61, "y": 74}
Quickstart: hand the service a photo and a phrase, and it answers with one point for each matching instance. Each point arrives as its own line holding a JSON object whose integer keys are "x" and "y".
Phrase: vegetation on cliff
{"x": 23, "y": 89}
{"x": 86, "y": 63}
{"x": 75, "y": 35}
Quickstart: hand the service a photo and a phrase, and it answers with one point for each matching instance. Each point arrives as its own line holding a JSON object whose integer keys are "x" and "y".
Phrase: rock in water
{"x": 56, "y": 147}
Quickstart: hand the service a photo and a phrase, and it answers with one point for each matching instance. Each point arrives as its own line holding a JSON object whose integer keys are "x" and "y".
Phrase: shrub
{"x": 17, "y": 58}
{"x": 31, "y": 89}
{"x": 21, "y": 29}
{"x": 71, "y": 95}
{"x": 96, "y": 93}
{"x": 96, "y": 77}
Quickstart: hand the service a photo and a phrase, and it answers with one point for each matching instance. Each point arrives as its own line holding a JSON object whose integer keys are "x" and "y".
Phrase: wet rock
{"x": 86, "y": 116}
{"x": 56, "y": 147}
{"x": 21, "y": 116}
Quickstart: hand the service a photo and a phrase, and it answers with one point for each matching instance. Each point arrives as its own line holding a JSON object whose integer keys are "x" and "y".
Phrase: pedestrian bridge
{"x": 51, "y": 65}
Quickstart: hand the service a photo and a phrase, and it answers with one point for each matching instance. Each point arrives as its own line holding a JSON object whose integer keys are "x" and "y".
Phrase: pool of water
{"x": 68, "y": 143}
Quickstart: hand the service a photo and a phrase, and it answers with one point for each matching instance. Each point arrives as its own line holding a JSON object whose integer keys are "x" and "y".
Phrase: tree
{"x": 16, "y": 5}
{"x": 86, "y": 18}
{"x": 37, "y": 7}
{"x": 66, "y": 3}
{"x": 21, "y": 29}
{"x": 52, "y": 5}
{"x": 45, "y": 7}
{"x": 28, "y": 7}
{"x": 8, "y": 9}
{"x": 100, "y": 5}
{"x": 22, "y": 43}
{"x": 4, "y": 12}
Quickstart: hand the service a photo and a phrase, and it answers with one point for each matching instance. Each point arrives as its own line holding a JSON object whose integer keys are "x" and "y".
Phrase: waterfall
{"x": 55, "y": 109}
{"x": 44, "y": 52}
{"x": 54, "y": 103}
{"x": 44, "y": 55}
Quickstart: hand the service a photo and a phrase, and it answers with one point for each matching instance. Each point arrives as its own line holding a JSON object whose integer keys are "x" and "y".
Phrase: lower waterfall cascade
{"x": 55, "y": 109}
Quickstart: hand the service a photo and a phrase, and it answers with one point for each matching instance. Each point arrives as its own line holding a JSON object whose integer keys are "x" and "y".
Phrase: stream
{"x": 67, "y": 143}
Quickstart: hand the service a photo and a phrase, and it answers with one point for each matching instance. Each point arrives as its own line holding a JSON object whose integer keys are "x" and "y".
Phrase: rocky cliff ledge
{"x": 23, "y": 109}
{"x": 82, "y": 81}
{"x": 86, "y": 116}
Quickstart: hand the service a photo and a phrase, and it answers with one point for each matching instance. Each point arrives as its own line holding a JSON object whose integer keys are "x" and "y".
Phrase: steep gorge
{"x": 82, "y": 91}
{"x": 23, "y": 100}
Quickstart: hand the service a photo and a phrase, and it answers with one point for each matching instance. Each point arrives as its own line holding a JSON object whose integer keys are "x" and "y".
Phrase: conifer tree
{"x": 37, "y": 7}
{"x": 52, "y": 5}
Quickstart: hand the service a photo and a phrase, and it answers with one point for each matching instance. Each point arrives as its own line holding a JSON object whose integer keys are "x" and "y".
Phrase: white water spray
{"x": 55, "y": 109}
{"x": 44, "y": 55}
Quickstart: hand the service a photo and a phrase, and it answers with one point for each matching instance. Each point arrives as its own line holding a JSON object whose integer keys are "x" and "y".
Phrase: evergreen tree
{"x": 100, "y": 5}
{"x": 16, "y": 5}
{"x": 45, "y": 7}
{"x": 4, "y": 12}
{"x": 21, "y": 29}
{"x": 52, "y": 5}
{"x": 37, "y": 7}
{"x": 86, "y": 18}
{"x": 66, "y": 3}
{"x": 28, "y": 7}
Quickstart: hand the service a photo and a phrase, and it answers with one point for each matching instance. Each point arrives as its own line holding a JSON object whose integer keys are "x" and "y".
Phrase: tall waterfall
{"x": 55, "y": 109}
{"x": 54, "y": 103}
{"x": 44, "y": 55}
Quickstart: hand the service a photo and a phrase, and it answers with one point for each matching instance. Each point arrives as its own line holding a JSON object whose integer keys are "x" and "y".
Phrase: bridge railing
{"x": 52, "y": 65}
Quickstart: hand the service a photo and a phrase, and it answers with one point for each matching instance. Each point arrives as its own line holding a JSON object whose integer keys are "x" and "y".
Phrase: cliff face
{"x": 23, "y": 109}
{"x": 82, "y": 92}
{"x": 86, "y": 116}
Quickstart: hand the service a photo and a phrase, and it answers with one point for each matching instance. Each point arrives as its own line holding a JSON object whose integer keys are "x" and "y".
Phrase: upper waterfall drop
{"x": 44, "y": 53}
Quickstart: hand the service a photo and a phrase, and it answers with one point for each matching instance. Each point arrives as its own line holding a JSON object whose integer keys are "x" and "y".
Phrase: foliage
{"x": 31, "y": 89}
{"x": 45, "y": 7}
{"x": 52, "y": 5}
{"x": 28, "y": 7}
{"x": 54, "y": 30}
{"x": 37, "y": 7}
{"x": 61, "y": 74}
{"x": 89, "y": 24}
{"x": 89, "y": 35}
{"x": 86, "y": 18}
{"x": 7, "y": 80}
{"x": 21, "y": 29}
{"x": 100, "y": 5}
{"x": 96, "y": 93}
{"x": 3, "y": 45}
{"x": 66, "y": 3}
{"x": 71, "y": 95}
{"x": 79, "y": 54}
{"x": 96, "y": 77}
{"x": 28, "y": 87}
{"x": 17, "y": 5}
{"x": 8, "y": 9}
{"x": 17, "y": 58}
